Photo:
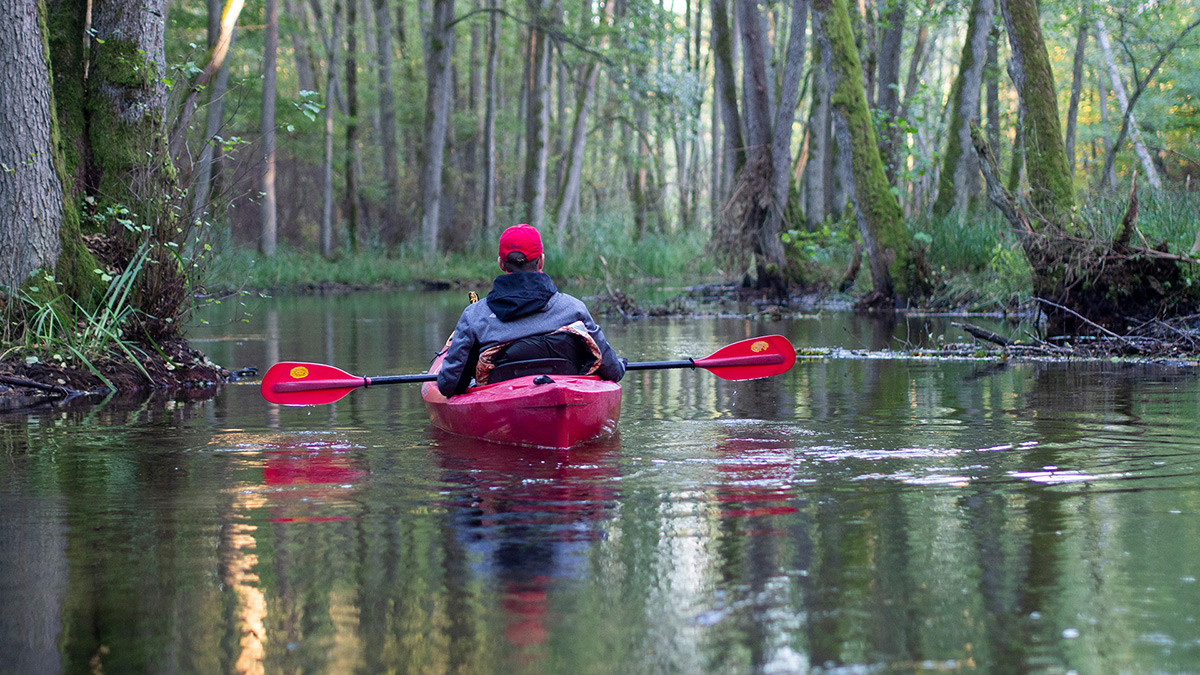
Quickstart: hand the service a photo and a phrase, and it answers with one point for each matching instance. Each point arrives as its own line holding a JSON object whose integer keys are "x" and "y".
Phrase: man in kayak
{"x": 525, "y": 326}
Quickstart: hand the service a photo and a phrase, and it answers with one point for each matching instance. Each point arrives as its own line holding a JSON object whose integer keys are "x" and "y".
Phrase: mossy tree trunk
{"x": 880, "y": 221}
{"x": 958, "y": 187}
{"x": 1082, "y": 282}
{"x": 107, "y": 145}
{"x": 1045, "y": 155}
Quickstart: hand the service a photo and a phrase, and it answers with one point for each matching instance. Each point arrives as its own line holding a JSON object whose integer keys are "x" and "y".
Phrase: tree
{"x": 568, "y": 196}
{"x": 959, "y": 183}
{"x": 880, "y": 224}
{"x": 537, "y": 121}
{"x": 328, "y": 203}
{"x": 31, "y": 195}
{"x": 1128, "y": 123}
{"x": 440, "y": 46}
{"x": 203, "y": 174}
{"x": 269, "y": 233}
{"x": 888, "y": 97}
{"x": 387, "y": 118}
{"x": 1074, "y": 275}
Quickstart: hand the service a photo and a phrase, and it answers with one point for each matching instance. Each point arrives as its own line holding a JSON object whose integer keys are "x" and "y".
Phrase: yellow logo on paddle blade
{"x": 299, "y": 372}
{"x": 760, "y": 346}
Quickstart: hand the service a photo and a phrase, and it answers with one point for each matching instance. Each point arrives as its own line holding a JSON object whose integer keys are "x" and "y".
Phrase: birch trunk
{"x": 568, "y": 198}
{"x": 1130, "y": 123}
{"x": 1108, "y": 172}
{"x": 269, "y": 235}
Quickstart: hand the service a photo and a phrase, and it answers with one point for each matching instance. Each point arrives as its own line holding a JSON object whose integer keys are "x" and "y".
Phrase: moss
{"x": 873, "y": 193}
{"x": 74, "y": 271}
{"x": 954, "y": 150}
{"x": 1052, "y": 193}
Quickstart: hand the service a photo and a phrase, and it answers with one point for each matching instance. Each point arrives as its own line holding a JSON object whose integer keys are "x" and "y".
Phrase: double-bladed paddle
{"x": 297, "y": 383}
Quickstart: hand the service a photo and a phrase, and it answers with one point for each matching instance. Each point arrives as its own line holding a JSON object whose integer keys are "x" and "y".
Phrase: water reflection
{"x": 526, "y": 520}
{"x": 849, "y": 516}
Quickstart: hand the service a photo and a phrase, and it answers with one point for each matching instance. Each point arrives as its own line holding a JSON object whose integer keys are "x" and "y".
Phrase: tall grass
{"x": 600, "y": 248}
{"x": 59, "y": 328}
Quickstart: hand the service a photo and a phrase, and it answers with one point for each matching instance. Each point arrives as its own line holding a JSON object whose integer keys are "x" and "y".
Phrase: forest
{"x": 937, "y": 153}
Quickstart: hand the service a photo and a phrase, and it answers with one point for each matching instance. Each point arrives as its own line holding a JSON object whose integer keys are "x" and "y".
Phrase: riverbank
{"x": 28, "y": 381}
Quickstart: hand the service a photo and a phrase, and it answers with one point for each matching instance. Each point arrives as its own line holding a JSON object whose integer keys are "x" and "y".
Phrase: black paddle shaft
{"x": 432, "y": 377}
{"x": 661, "y": 365}
{"x": 400, "y": 379}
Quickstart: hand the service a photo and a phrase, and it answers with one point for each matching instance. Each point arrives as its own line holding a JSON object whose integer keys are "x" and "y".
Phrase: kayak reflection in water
{"x": 525, "y": 322}
{"x": 526, "y": 520}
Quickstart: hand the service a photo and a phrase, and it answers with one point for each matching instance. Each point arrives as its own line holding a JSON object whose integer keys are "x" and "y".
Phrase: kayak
{"x": 545, "y": 411}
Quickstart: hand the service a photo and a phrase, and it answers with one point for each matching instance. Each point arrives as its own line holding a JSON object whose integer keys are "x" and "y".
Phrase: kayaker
{"x": 525, "y": 319}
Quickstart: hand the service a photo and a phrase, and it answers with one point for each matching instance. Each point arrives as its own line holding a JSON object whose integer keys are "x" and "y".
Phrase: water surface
{"x": 852, "y": 515}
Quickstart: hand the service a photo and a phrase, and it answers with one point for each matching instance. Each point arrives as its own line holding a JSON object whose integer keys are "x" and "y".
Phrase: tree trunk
{"x": 1045, "y": 157}
{"x": 888, "y": 98}
{"x": 437, "y": 112}
{"x": 726, "y": 83}
{"x": 387, "y": 121}
{"x": 1076, "y": 87}
{"x": 350, "y": 167}
{"x": 217, "y": 51}
{"x": 880, "y": 221}
{"x": 1129, "y": 122}
{"x": 816, "y": 170}
{"x": 1108, "y": 172}
{"x": 305, "y": 76}
{"x": 537, "y": 121}
{"x": 268, "y": 235}
{"x": 31, "y": 195}
{"x": 992, "y": 74}
{"x": 568, "y": 198}
{"x": 328, "y": 203}
{"x": 202, "y": 176}
{"x": 489, "y": 124}
{"x": 959, "y": 184}
{"x": 769, "y": 236}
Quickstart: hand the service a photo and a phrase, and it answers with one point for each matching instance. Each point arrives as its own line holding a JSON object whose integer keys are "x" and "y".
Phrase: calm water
{"x": 853, "y": 515}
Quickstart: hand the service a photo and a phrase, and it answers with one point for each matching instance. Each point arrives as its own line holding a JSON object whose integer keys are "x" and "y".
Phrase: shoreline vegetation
{"x": 980, "y": 271}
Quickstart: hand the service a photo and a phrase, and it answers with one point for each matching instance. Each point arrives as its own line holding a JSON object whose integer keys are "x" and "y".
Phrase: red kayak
{"x": 551, "y": 411}
{"x": 564, "y": 412}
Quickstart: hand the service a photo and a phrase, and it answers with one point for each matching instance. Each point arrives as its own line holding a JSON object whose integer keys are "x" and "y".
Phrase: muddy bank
{"x": 173, "y": 366}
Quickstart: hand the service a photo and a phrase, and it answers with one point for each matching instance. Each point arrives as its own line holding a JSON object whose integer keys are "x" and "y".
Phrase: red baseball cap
{"x": 523, "y": 239}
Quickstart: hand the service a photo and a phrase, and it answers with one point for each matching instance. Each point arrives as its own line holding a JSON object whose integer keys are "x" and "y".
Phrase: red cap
{"x": 521, "y": 238}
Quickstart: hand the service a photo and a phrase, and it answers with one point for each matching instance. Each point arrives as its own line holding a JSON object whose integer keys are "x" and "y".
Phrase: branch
{"x": 1089, "y": 322}
{"x": 554, "y": 33}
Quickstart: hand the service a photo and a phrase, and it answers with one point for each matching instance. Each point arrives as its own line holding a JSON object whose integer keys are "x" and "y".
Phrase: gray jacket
{"x": 521, "y": 304}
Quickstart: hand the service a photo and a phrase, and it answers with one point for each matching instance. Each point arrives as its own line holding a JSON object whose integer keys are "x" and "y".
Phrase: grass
{"x": 58, "y": 328}
{"x": 978, "y": 261}
{"x": 602, "y": 248}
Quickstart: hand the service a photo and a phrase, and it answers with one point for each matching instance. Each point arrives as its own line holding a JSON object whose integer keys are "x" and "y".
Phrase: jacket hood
{"x": 518, "y": 294}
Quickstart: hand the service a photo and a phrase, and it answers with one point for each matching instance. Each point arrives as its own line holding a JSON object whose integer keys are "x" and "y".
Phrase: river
{"x": 853, "y": 515}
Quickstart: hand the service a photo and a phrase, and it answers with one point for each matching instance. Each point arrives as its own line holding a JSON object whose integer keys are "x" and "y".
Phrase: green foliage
{"x": 59, "y": 328}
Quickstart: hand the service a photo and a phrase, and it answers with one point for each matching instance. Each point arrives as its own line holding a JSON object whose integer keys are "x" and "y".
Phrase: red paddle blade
{"x": 295, "y": 383}
{"x": 751, "y": 359}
